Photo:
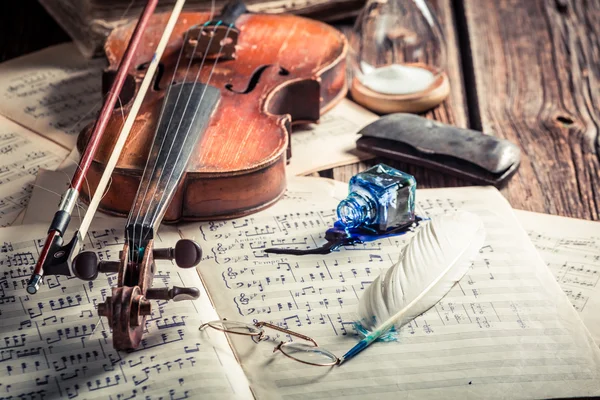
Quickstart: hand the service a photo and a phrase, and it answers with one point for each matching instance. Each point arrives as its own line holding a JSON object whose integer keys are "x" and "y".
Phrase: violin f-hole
{"x": 255, "y": 78}
{"x": 129, "y": 87}
{"x": 127, "y": 92}
{"x": 160, "y": 70}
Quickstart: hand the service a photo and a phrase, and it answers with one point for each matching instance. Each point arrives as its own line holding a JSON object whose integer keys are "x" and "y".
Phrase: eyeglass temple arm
{"x": 280, "y": 329}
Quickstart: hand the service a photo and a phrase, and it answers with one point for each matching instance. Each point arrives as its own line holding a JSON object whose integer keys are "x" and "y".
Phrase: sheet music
{"x": 22, "y": 154}
{"x": 335, "y": 136}
{"x": 505, "y": 328}
{"x": 54, "y": 345}
{"x": 571, "y": 249}
{"x": 54, "y": 92}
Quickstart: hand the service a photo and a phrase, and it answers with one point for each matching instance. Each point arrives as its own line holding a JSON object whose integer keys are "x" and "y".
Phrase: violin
{"x": 245, "y": 78}
{"x": 210, "y": 139}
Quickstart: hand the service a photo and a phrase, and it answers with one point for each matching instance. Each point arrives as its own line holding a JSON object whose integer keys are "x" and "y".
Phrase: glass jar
{"x": 398, "y": 55}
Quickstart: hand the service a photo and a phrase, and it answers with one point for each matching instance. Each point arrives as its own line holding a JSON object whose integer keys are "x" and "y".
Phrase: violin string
{"x": 78, "y": 166}
{"x": 147, "y": 185}
{"x": 195, "y": 81}
{"x": 138, "y": 101}
{"x": 75, "y": 161}
{"x": 120, "y": 103}
{"x": 80, "y": 206}
{"x": 59, "y": 195}
{"x": 93, "y": 109}
{"x": 133, "y": 211}
{"x": 127, "y": 9}
{"x": 110, "y": 181}
{"x": 79, "y": 203}
{"x": 195, "y": 113}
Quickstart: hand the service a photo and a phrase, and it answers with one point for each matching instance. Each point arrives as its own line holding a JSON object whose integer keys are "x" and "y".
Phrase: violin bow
{"x": 56, "y": 257}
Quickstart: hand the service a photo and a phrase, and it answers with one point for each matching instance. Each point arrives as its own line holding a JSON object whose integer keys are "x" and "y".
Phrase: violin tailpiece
{"x": 214, "y": 41}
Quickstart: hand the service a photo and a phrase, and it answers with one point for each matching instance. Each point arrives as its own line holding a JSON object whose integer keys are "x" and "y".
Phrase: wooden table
{"x": 528, "y": 71}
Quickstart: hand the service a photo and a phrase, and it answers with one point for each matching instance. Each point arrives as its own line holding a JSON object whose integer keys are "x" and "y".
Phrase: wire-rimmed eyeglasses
{"x": 307, "y": 353}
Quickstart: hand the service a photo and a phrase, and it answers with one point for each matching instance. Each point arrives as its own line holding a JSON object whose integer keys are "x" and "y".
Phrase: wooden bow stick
{"x": 55, "y": 257}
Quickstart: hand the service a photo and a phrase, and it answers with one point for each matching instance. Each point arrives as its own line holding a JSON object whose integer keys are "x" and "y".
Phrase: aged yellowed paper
{"x": 55, "y": 346}
{"x": 571, "y": 249}
{"x": 505, "y": 328}
{"x": 22, "y": 155}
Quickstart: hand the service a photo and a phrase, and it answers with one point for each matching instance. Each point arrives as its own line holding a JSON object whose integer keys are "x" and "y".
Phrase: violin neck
{"x": 185, "y": 115}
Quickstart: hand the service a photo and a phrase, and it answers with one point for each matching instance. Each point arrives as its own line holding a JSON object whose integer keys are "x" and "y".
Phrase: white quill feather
{"x": 435, "y": 259}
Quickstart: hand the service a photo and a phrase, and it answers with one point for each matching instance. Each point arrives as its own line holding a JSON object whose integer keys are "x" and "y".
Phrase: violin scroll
{"x": 129, "y": 304}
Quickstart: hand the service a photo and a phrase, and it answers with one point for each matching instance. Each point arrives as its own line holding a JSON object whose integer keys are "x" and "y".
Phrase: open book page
{"x": 22, "y": 154}
{"x": 55, "y": 346}
{"x": 505, "y": 328}
{"x": 54, "y": 92}
{"x": 571, "y": 249}
{"x": 331, "y": 142}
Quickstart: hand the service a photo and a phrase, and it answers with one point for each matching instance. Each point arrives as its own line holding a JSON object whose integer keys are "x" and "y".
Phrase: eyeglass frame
{"x": 260, "y": 335}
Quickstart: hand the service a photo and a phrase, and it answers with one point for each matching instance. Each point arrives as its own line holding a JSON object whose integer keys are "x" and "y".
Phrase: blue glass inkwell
{"x": 381, "y": 198}
{"x": 380, "y": 203}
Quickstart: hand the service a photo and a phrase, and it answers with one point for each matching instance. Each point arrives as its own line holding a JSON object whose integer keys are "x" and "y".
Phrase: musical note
{"x": 56, "y": 99}
{"x": 56, "y": 341}
{"x": 571, "y": 249}
{"x": 22, "y": 155}
{"x": 317, "y": 295}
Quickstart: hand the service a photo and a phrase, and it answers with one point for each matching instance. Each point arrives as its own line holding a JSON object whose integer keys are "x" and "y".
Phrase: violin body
{"x": 285, "y": 69}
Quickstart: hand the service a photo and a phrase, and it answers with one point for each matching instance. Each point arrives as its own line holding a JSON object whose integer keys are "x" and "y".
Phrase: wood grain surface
{"x": 536, "y": 71}
{"x": 527, "y": 71}
{"x": 524, "y": 70}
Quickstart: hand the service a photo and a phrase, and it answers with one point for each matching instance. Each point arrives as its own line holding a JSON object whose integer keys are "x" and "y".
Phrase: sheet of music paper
{"x": 505, "y": 328}
{"x": 54, "y": 345}
{"x": 571, "y": 249}
{"x": 22, "y": 155}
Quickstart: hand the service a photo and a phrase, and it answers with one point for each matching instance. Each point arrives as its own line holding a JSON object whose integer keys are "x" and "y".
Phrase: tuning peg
{"x": 187, "y": 253}
{"x": 86, "y": 266}
{"x": 176, "y": 293}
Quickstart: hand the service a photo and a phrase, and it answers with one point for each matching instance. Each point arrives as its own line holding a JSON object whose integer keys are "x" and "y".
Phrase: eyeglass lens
{"x": 308, "y": 354}
{"x": 305, "y": 353}
{"x": 239, "y": 328}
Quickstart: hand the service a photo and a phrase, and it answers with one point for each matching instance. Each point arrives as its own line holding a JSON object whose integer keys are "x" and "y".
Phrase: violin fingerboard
{"x": 185, "y": 115}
